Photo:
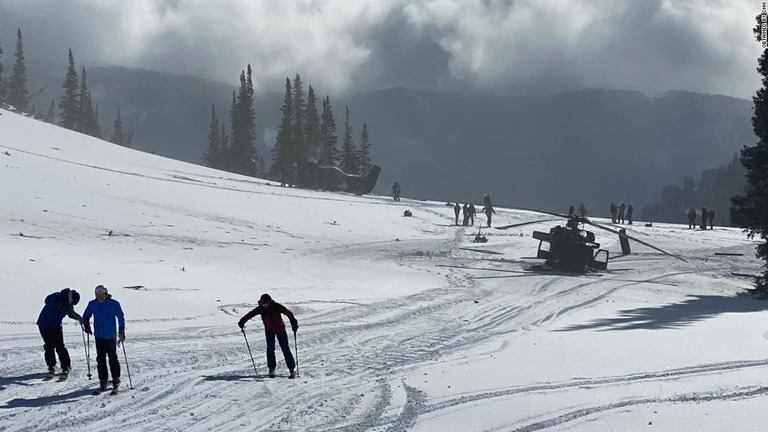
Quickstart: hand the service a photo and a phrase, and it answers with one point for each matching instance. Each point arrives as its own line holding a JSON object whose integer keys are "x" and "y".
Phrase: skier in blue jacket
{"x": 57, "y": 306}
{"x": 104, "y": 310}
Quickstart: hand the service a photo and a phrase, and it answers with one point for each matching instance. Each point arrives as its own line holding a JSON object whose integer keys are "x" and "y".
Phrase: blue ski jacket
{"x": 104, "y": 314}
{"x": 54, "y": 311}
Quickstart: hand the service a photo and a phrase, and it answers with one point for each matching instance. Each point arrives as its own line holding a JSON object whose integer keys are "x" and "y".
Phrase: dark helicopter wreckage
{"x": 572, "y": 248}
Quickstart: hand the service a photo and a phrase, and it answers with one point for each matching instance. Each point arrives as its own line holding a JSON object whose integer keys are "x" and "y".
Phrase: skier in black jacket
{"x": 57, "y": 306}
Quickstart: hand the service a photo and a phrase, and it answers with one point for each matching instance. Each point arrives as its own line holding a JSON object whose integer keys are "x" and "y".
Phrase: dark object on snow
{"x": 624, "y": 241}
{"x": 571, "y": 248}
{"x": 330, "y": 178}
{"x": 407, "y": 213}
{"x": 649, "y": 224}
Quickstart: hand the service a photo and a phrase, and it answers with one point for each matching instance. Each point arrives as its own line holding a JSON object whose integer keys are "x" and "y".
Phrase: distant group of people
{"x": 468, "y": 211}
{"x": 580, "y": 212}
{"x": 618, "y": 212}
{"x": 707, "y": 218}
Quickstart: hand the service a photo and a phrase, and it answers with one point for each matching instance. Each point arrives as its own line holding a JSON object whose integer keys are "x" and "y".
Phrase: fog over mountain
{"x": 348, "y": 46}
{"x": 538, "y": 104}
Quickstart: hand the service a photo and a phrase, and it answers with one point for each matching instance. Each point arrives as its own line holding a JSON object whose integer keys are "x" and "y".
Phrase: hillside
{"x": 545, "y": 151}
{"x": 404, "y": 323}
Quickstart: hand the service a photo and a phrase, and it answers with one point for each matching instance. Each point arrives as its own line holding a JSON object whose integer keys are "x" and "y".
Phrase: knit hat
{"x": 100, "y": 289}
{"x": 265, "y": 298}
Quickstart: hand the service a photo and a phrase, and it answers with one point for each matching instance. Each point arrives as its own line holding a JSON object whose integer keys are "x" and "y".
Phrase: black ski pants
{"x": 107, "y": 348}
{"x": 53, "y": 343}
{"x": 282, "y": 338}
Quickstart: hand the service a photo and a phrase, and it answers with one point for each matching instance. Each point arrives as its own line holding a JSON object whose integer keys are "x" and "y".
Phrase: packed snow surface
{"x": 405, "y": 323}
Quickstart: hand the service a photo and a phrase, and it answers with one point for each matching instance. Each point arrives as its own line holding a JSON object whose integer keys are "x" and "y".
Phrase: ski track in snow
{"x": 203, "y": 370}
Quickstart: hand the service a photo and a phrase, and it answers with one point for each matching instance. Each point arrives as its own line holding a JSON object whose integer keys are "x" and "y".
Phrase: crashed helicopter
{"x": 571, "y": 248}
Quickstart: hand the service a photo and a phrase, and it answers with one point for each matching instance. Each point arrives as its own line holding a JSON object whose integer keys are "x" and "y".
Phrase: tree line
{"x": 76, "y": 109}
{"x": 713, "y": 191}
{"x": 749, "y": 209}
{"x": 305, "y": 134}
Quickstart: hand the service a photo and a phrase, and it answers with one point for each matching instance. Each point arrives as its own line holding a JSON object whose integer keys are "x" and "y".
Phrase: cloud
{"x": 340, "y": 46}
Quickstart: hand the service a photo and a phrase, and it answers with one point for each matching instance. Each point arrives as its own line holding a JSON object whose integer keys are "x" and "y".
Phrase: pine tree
{"x": 120, "y": 136}
{"x": 88, "y": 118}
{"x": 51, "y": 116}
{"x": 750, "y": 211}
{"x": 282, "y": 153}
{"x": 223, "y": 146}
{"x": 311, "y": 128}
{"x": 365, "y": 151}
{"x": 329, "y": 154}
{"x": 348, "y": 152}
{"x": 243, "y": 151}
{"x": 2, "y": 79}
{"x": 211, "y": 156}
{"x": 69, "y": 106}
{"x": 299, "y": 123}
{"x": 18, "y": 95}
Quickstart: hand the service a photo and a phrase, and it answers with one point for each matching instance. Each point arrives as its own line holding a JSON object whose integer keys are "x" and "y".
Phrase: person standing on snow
{"x": 456, "y": 211}
{"x": 396, "y": 191}
{"x": 274, "y": 326}
{"x": 57, "y": 306}
{"x": 488, "y": 208}
{"x": 105, "y": 310}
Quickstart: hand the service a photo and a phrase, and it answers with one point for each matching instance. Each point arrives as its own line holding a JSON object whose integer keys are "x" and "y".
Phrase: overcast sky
{"x": 342, "y": 46}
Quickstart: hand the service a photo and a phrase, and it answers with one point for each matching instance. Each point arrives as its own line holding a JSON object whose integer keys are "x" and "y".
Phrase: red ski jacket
{"x": 271, "y": 318}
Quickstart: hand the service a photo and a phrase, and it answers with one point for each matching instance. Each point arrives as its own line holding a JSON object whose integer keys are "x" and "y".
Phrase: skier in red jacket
{"x": 274, "y": 326}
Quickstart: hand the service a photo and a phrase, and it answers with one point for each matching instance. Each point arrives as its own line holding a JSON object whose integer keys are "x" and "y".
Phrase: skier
{"x": 396, "y": 191}
{"x": 704, "y": 214}
{"x": 274, "y": 326}
{"x": 614, "y": 211}
{"x": 104, "y": 310}
{"x": 571, "y": 211}
{"x": 630, "y": 210}
{"x": 57, "y": 305}
{"x": 711, "y": 217}
{"x": 472, "y": 213}
{"x": 465, "y": 214}
{"x": 456, "y": 210}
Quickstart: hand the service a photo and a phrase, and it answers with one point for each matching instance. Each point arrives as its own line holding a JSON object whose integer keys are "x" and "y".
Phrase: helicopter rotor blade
{"x": 597, "y": 225}
{"x": 523, "y": 224}
{"x": 542, "y": 212}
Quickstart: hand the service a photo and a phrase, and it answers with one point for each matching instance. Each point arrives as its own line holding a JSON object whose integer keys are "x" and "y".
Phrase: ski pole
{"x": 128, "y": 369}
{"x": 87, "y": 353}
{"x": 296, "y": 348}
{"x": 249, "y": 351}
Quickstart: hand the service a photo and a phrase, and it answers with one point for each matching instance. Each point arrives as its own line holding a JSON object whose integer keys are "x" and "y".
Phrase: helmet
{"x": 73, "y": 297}
{"x": 265, "y": 298}
{"x": 100, "y": 289}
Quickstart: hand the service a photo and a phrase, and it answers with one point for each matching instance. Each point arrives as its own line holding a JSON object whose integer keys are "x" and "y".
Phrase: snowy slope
{"x": 405, "y": 324}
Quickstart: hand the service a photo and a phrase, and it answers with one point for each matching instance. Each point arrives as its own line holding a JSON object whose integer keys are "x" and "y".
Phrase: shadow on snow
{"x": 676, "y": 315}
{"x": 46, "y": 400}
{"x": 20, "y": 380}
